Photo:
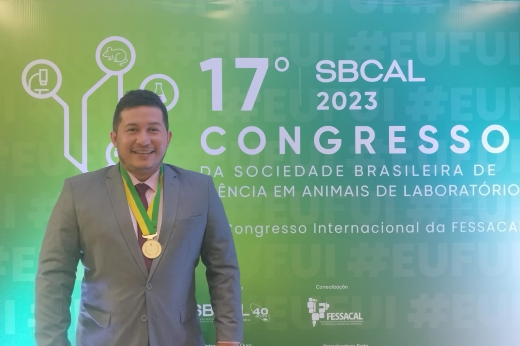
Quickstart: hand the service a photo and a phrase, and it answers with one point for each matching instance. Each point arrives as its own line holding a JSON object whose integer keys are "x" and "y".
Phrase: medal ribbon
{"x": 147, "y": 219}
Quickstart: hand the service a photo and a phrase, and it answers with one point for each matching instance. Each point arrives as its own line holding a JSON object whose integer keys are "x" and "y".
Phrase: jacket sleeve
{"x": 57, "y": 264}
{"x": 222, "y": 272}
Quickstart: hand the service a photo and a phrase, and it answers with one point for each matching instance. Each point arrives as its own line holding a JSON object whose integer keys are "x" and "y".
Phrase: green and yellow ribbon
{"x": 147, "y": 219}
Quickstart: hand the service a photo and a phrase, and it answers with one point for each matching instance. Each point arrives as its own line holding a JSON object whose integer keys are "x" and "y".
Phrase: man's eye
{"x": 154, "y": 129}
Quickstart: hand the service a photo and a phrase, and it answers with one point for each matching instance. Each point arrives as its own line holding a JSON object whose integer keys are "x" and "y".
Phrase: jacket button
{"x": 149, "y": 286}
{"x": 144, "y": 318}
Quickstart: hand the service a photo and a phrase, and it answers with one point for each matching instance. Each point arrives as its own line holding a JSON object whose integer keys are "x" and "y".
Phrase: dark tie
{"x": 141, "y": 189}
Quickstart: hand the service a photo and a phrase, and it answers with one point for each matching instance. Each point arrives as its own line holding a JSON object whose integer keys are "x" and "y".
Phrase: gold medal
{"x": 151, "y": 248}
{"x": 145, "y": 218}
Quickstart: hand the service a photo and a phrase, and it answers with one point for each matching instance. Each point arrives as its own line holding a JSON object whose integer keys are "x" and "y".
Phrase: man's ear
{"x": 113, "y": 138}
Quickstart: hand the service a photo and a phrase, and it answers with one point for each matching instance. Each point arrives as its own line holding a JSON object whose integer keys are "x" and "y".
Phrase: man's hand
{"x": 228, "y": 343}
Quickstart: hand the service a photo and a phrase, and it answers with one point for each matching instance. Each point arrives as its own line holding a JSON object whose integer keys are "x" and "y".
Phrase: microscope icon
{"x": 43, "y": 79}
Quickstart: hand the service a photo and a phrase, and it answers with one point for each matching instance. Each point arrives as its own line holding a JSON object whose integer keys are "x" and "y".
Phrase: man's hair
{"x": 136, "y": 98}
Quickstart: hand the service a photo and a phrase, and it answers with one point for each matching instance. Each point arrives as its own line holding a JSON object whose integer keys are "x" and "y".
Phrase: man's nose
{"x": 143, "y": 138}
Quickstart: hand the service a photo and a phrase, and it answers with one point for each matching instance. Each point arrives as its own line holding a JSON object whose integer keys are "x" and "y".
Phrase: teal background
{"x": 469, "y": 53}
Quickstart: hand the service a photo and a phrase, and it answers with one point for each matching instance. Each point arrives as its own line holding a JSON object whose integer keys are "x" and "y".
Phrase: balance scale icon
{"x": 119, "y": 56}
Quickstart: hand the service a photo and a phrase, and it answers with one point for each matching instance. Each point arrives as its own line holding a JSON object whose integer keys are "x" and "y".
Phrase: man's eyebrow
{"x": 134, "y": 124}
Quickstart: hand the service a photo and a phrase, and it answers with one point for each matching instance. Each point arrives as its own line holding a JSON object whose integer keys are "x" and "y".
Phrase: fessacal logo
{"x": 320, "y": 315}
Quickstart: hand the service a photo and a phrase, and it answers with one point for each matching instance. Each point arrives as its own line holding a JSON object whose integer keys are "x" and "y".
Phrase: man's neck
{"x": 143, "y": 176}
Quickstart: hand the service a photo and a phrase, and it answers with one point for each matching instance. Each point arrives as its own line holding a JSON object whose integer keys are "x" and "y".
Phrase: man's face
{"x": 141, "y": 140}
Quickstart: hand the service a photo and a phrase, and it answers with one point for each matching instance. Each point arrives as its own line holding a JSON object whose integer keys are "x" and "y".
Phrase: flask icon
{"x": 159, "y": 91}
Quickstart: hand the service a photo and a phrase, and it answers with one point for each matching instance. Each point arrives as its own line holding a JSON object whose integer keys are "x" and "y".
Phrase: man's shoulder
{"x": 90, "y": 177}
{"x": 186, "y": 173}
{"x": 100, "y": 175}
{"x": 188, "y": 176}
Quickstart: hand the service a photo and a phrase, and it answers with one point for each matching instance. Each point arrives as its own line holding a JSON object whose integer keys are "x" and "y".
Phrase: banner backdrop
{"x": 365, "y": 152}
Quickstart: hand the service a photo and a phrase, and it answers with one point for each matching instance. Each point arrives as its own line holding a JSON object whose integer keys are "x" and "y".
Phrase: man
{"x": 139, "y": 246}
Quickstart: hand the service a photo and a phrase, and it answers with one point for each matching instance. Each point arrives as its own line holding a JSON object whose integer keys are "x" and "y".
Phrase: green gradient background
{"x": 280, "y": 272}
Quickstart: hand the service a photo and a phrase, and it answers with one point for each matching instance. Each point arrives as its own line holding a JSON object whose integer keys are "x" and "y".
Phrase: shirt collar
{"x": 151, "y": 182}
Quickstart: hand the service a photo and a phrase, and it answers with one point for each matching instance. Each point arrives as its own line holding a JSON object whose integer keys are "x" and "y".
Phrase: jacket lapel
{"x": 170, "y": 204}
{"x": 116, "y": 190}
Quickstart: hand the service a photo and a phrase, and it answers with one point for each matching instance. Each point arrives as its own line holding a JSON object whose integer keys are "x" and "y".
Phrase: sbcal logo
{"x": 206, "y": 313}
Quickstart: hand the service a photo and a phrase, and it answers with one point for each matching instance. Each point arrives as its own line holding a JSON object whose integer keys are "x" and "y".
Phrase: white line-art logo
{"x": 118, "y": 55}
{"x": 115, "y": 56}
{"x": 260, "y": 312}
{"x": 317, "y": 310}
{"x": 319, "y": 314}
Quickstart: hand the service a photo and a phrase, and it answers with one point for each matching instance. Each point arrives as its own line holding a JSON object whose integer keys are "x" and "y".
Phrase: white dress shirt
{"x": 150, "y": 194}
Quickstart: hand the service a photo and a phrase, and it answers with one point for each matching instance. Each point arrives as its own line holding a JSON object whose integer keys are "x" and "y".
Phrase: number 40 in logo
{"x": 260, "y": 312}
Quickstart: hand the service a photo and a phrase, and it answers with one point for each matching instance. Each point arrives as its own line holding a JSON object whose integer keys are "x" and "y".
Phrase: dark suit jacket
{"x": 121, "y": 303}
